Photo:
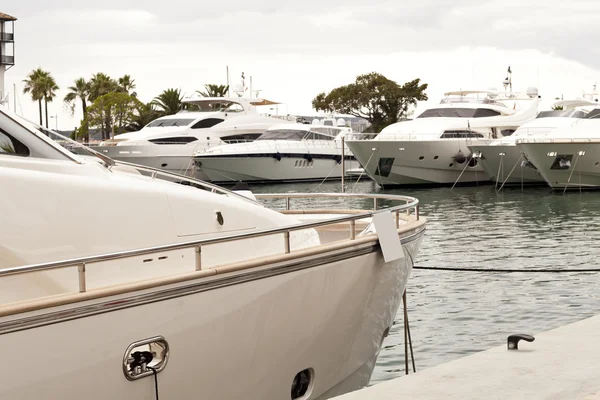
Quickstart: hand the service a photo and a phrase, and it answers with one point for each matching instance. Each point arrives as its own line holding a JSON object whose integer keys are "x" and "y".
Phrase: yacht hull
{"x": 172, "y": 158}
{"x": 582, "y": 171}
{"x": 224, "y": 169}
{"x": 417, "y": 163}
{"x": 232, "y": 336}
{"x": 505, "y": 164}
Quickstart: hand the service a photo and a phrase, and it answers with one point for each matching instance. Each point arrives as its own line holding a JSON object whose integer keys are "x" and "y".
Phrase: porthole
{"x": 421, "y": 158}
{"x": 435, "y": 158}
{"x": 597, "y": 163}
{"x": 296, "y": 165}
{"x": 451, "y": 165}
{"x": 302, "y": 384}
{"x": 163, "y": 165}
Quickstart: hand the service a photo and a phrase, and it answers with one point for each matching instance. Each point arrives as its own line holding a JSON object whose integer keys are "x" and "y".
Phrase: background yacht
{"x": 169, "y": 142}
{"x": 503, "y": 161}
{"x": 568, "y": 156}
{"x": 180, "y": 291}
{"x": 432, "y": 148}
{"x": 291, "y": 152}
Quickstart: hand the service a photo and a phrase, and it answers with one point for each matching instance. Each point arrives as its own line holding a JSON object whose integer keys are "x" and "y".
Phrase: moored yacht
{"x": 567, "y": 157}
{"x": 432, "y": 149}
{"x": 291, "y": 152}
{"x": 169, "y": 142}
{"x": 130, "y": 286}
{"x": 503, "y": 161}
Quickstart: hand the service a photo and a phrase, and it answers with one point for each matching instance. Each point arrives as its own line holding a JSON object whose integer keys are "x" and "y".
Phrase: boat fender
{"x": 308, "y": 157}
{"x": 460, "y": 157}
{"x": 277, "y": 156}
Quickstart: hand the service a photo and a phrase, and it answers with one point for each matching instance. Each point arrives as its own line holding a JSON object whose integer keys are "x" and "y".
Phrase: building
{"x": 7, "y": 50}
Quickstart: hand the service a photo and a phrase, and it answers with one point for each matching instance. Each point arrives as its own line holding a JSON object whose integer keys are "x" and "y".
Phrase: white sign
{"x": 385, "y": 226}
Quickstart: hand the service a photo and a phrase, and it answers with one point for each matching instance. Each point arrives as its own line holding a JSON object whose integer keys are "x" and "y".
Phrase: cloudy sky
{"x": 296, "y": 49}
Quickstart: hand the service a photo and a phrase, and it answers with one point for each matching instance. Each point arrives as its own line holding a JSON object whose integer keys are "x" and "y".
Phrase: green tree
{"x": 34, "y": 86}
{"x": 100, "y": 85}
{"x": 113, "y": 111}
{"x": 169, "y": 102}
{"x": 80, "y": 90}
{"x": 127, "y": 85}
{"x": 49, "y": 88}
{"x": 558, "y": 108}
{"x": 373, "y": 97}
{"x": 145, "y": 114}
{"x": 212, "y": 90}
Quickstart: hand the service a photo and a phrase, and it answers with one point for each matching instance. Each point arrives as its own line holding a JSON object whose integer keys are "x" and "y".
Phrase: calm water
{"x": 453, "y": 314}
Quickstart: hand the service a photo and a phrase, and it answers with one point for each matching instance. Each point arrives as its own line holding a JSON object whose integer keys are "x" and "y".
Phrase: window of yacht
{"x": 283, "y": 134}
{"x": 11, "y": 146}
{"x": 460, "y": 134}
{"x": 174, "y": 140}
{"x": 207, "y": 123}
{"x": 507, "y": 132}
{"x": 455, "y": 112}
{"x": 595, "y": 113}
{"x": 563, "y": 113}
{"x": 170, "y": 122}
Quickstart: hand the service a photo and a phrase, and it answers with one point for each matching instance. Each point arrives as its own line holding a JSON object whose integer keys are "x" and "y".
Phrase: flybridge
{"x": 227, "y": 104}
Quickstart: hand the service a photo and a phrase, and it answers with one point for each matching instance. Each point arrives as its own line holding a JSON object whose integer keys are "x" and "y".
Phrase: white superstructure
{"x": 115, "y": 284}
{"x": 168, "y": 142}
{"x": 291, "y": 152}
{"x": 432, "y": 148}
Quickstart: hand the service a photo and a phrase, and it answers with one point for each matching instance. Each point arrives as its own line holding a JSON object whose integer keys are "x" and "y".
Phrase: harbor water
{"x": 453, "y": 314}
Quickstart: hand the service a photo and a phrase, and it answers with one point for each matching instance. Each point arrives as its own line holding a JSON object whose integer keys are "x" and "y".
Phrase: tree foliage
{"x": 169, "y": 102}
{"x": 80, "y": 90}
{"x": 113, "y": 111}
{"x": 212, "y": 90}
{"x": 373, "y": 97}
{"x": 34, "y": 85}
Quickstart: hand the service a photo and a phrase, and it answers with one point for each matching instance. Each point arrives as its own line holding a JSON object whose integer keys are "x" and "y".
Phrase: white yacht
{"x": 567, "y": 157}
{"x": 169, "y": 142}
{"x": 432, "y": 148}
{"x": 291, "y": 152}
{"x": 503, "y": 161}
{"x": 115, "y": 284}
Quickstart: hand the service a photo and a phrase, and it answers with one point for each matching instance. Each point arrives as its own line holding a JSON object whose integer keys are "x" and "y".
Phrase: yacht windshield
{"x": 294, "y": 135}
{"x": 170, "y": 122}
{"x": 562, "y": 113}
{"x": 456, "y": 112}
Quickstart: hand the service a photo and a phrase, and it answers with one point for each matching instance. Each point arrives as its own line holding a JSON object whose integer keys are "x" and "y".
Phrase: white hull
{"x": 505, "y": 164}
{"x": 228, "y": 343}
{"x": 584, "y": 169}
{"x": 172, "y": 158}
{"x": 268, "y": 169}
{"x": 428, "y": 162}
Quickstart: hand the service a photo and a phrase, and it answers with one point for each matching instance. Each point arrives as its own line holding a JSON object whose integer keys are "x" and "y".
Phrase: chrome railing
{"x": 82, "y": 263}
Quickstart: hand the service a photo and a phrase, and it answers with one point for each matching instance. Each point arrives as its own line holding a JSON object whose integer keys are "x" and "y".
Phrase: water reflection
{"x": 455, "y": 313}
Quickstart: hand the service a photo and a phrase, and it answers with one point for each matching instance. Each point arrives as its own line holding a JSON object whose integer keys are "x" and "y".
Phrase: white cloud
{"x": 295, "y": 50}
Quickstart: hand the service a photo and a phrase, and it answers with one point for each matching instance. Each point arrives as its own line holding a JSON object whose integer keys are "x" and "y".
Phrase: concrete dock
{"x": 563, "y": 363}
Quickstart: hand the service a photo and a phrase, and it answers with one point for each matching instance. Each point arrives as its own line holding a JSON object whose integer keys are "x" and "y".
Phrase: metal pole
{"x": 198, "y": 258}
{"x": 81, "y": 273}
{"x": 286, "y": 236}
{"x": 343, "y": 164}
{"x": 352, "y": 230}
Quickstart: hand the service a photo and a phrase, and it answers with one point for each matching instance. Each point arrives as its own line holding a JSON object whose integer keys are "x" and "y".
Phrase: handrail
{"x": 82, "y": 262}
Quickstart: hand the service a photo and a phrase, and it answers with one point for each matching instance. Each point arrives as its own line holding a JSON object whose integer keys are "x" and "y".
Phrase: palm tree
{"x": 33, "y": 85}
{"x": 127, "y": 85}
{"x": 80, "y": 90}
{"x": 169, "y": 101}
{"x": 49, "y": 87}
{"x": 146, "y": 113}
{"x": 102, "y": 84}
{"x": 212, "y": 90}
